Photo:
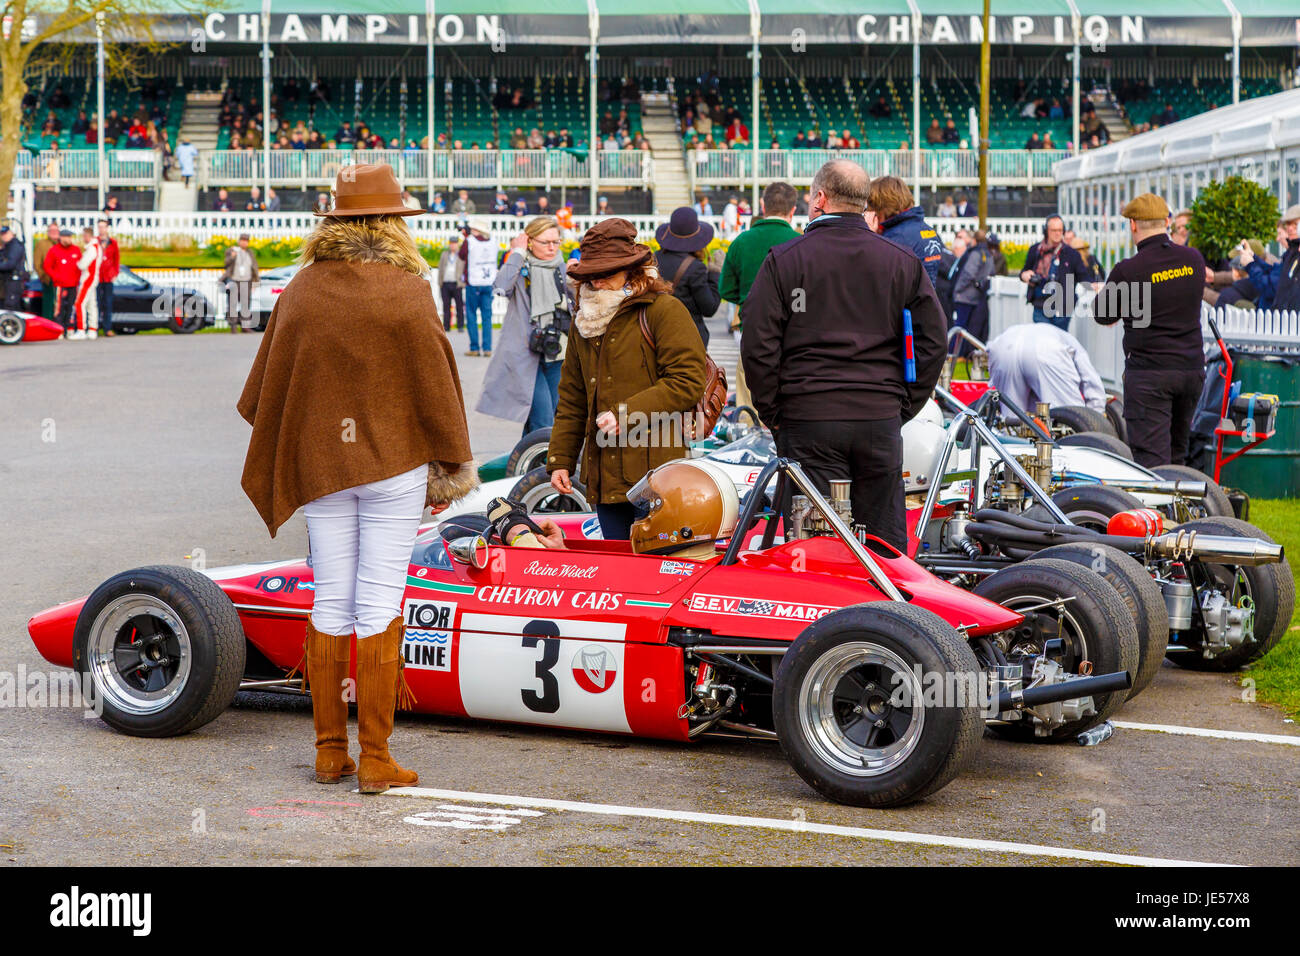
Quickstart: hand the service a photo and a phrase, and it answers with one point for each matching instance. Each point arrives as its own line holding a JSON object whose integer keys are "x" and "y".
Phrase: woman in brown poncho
{"x": 357, "y": 417}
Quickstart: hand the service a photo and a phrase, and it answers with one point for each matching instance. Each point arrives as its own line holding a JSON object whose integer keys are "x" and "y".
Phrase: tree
{"x": 36, "y": 35}
{"x": 1227, "y": 212}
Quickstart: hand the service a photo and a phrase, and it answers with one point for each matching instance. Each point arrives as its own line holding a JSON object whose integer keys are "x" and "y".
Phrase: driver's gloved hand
{"x": 505, "y": 514}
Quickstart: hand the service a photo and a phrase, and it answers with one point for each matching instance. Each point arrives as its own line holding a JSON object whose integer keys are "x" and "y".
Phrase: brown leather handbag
{"x": 714, "y": 399}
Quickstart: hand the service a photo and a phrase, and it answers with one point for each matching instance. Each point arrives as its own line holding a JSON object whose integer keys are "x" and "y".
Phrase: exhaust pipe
{"x": 1065, "y": 690}
{"x": 1154, "y": 486}
{"x": 1214, "y": 548}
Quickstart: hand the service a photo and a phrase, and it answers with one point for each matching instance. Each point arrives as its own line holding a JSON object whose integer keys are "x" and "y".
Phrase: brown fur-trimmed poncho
{"x": 355, "y": 380}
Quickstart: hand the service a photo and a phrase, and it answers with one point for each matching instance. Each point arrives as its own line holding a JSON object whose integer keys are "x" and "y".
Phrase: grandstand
{"x": 855, "y": 74}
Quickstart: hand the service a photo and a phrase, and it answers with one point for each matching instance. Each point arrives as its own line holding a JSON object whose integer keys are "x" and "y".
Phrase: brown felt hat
{"x": 368, "y": 190}
{"x": 607, "y": 247}
{"x": 1146, "y": 206}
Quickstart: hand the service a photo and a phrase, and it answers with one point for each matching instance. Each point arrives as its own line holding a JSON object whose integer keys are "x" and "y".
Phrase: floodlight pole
{"x": 430, "y": 22}
{"x": 102, "y": 154}
{"x": 916, "y": 99}
{"x": 266, "y": 101}
{"x": 755, "y": 28}
{"x": 985, "y": 80}
{"x": 1076, "y": 27}
{"x": 1236, "y": 50}
{"x": 593, "y": 156}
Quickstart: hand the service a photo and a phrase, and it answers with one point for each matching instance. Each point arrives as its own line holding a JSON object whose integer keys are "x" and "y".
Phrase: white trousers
{"x": 361, "y": 540}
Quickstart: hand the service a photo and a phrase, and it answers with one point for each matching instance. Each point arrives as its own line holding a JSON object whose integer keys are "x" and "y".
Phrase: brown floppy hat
{"x": 368, "y": 190}
{"x": 608, "y": 247}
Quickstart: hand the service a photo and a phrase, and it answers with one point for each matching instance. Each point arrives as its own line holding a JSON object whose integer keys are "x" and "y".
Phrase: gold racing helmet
{"x": 690, "y": 504}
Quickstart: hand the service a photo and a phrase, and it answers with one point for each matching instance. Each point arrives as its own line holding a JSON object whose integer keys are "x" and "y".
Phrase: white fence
{"x": 548, "y": 168}
{"x": 939, "y": 167}
{"x": 202, "y": 226}
{"x": 80, "y": 167}
{"x": 1241, "y": 328}
{"x": 451, "y": 168}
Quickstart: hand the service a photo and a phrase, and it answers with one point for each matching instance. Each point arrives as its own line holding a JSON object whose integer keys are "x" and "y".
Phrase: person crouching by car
{"x": 357, "y": 416}
{"x": 635, "y": 353}
{"x": 523, "y": 379}
{"x": 682, "y": 259}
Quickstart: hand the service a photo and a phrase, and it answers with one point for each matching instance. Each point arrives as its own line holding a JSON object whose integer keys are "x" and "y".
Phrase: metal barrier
{"x": 467, "y": 168}
{"x": 1248, "y": 329}
{"x": 306, "y": 169}
{"x": 939, "y": 167}
{"x": 80, "y": 167}
{"x": 202, "y": 226}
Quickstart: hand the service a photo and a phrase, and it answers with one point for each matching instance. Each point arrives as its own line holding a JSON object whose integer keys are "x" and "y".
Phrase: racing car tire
{"x": 1140, "y": 594}
{"x": 534, "y": 490}
{"x": 12, "y": 328}
{"x": 1098, "y": 440}
{"x": 211, "y": 634}
{"x": 1272, "y": 588}
{"x": 1081, "y": 418}
{"x": 1217, "y": 503}
{"x": 810, "y": 724}
{"x": 529, "y": 453}
{"x": 1091, "y": 506}
{"x": 1115, "y": 415}
{"x": 1101, "y": 622}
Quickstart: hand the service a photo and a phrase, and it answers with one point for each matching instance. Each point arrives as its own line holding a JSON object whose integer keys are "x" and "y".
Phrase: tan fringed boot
{"x": 379, "y": 681}
{"x": 327, "y": 658}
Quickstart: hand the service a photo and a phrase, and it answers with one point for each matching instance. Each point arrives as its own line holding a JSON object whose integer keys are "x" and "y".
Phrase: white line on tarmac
{"x": 1206, "y": 732}
{"x": 798, "y": 826}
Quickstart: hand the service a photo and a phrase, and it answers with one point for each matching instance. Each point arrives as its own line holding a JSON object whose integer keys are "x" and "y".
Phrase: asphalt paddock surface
{"x": 123, "y": 452}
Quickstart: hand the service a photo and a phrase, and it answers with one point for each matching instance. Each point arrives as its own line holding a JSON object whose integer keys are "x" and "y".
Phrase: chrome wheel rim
{"x": 848, "y": 711}
{"x": 139, "y": 654}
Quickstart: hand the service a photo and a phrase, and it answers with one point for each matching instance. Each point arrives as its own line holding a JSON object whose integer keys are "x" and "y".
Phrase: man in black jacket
{"x": 824, "y": 347}
{"x": 1157, "y": 294}
{"x": 13, "y": 269}
{"x": 682, "y": 241}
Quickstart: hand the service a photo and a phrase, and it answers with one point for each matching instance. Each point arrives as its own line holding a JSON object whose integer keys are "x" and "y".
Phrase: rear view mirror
{"x": 471, "y": 550}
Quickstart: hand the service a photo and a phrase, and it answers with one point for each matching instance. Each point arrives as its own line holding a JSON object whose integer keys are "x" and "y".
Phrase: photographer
{"x": 1048, "y": 264}
{"x": 523, "y": 377}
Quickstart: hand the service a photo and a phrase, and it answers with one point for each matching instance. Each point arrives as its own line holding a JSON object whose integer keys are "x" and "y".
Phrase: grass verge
{"x": 1277, "y": 675}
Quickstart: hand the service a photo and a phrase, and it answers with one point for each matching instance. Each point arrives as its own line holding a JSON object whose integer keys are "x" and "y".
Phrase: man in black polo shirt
{"x": 1157, "y": 294}
{"x": 823, "y": 349}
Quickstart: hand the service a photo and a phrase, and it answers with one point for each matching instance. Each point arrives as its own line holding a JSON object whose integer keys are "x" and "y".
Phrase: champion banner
{"x": 566, "y": 24}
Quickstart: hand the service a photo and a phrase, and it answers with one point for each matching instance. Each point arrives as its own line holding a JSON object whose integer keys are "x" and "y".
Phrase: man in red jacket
{"x": 62, "y": 268}
{"x": 109, "y": 266}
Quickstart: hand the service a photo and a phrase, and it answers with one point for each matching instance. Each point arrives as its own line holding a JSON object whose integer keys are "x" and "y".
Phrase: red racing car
{"x": 874, "y": 675}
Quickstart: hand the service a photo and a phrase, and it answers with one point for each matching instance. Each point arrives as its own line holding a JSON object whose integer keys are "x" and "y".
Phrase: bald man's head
{"x": 843, "y": 186}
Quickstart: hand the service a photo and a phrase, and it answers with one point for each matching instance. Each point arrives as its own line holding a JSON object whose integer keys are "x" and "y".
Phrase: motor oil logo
{"x": 426, "y": 638}
{"x": 594, "y": 668}
{"x": 279, "y": 584}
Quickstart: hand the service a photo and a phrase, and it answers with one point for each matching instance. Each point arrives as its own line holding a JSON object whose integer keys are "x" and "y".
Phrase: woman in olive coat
{"x": 624, "y": 389}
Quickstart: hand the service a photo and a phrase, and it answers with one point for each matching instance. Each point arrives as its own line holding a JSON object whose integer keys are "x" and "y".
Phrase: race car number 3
{"x": 521, "y": 668}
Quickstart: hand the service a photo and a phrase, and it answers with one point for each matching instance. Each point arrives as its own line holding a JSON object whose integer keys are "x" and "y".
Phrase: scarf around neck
{"x": 544, "y": 292}
{"x": 596, "y": 307}
{"x": 1046, "y": 254}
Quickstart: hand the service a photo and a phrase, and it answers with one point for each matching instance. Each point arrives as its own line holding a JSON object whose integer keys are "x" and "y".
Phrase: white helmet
{"x": 923, "y": 439}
